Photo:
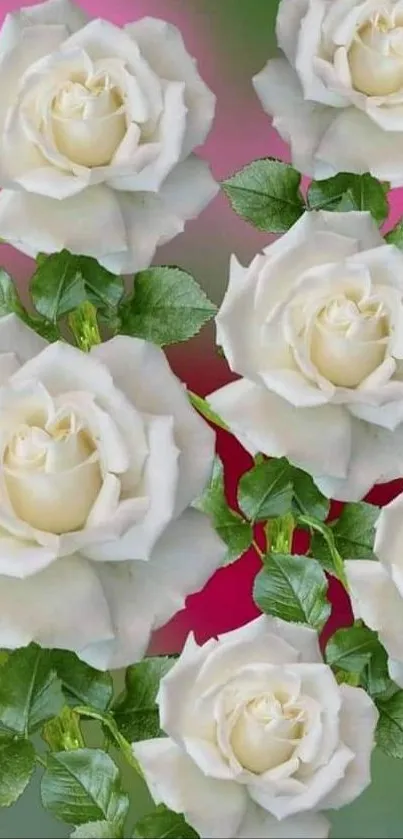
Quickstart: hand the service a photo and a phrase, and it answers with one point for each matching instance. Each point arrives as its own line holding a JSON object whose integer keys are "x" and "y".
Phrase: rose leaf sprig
{"x": 163, "y": 304}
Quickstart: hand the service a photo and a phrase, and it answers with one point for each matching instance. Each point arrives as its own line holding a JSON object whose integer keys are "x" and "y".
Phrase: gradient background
{"x": 231, "y": 39}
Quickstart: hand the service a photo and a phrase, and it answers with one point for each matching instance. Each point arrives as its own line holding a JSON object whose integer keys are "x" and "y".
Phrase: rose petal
{"x": 189, "y": 188}
{"x": 22, "y": 559}
{"x": 258, "y": 824}
{"x": 301, "y": 638}
{"x": 19, "y": 49}
{"x": 159, "y": 487}
{"x": 214, "y": 808}
{"x": 152, "y": 220}
{"x": 376, "y": 457}
{"x": 317, "y": 239}
{"x": 289, "y": 17}
{"x": 308, "y": 46}
{"x": 374, "y": 150}
{"x": 316, "y": 788}
{"x": 62, "y": 606}
{"x": 142, "y": 372}
{"x": 358, "y": 721}
{"x": 300, "y": 123}
{"x": 389, "y": 535}
{"x": 35, "y": 224}
{"x": 147, "y": 224}
{"x": 171, "y": 131}
{"x": 163, "y": 47}
{"x": 396, "y": 671}
{"x": 238, "y": 321}
{"x": 9, "y": 365}
{"x": 15, "y": 336}
{"x": 144, "y": 595}
{"x": 316, "y": 439}
{"x": 51, "y": 13}
{"x": 371, "y": 588}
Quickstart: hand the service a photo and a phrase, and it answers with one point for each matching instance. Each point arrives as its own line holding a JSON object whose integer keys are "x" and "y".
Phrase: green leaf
{"x": 83, "y": 786}
{"x": 266, "y": 193}
{"x": 345, "y": 192}
{"x": 307, "y": 498}
{"x": 203, "y": 407}
{"x": 104, "y": 289}
{"x": 354, "y": 531}
{"x": 167, "y": 306}
{"x": 293, "y": 588}
{"x": 266, "y": 491}
{"x": 231, "y": 527}
{"x": 389, "y": 732}
{"x": 351, "y": 649}
{"x": 10, "y": 302}
{"x": 17, "y": 763}
{"x": 135, "y": 711}
{"x": 97, "y": 830}
{"x": 323, "y": 548}
{"x": 375, "y": 678}
{"x": 81, "y": 683}
{"x": 62, "y": 282}
{"x": 163, "y": 824}
{"x": 395, "y": 236}
{"x": 352, "y": 535}
{"x": 30, "y": 692}
{"x": 43, "y": 327}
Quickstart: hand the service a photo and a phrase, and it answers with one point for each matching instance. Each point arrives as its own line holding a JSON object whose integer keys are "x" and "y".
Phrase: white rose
{"x": 97, "y": 126}
{"x": 336, "y": 94}
{"x": 315, "y": 327}
{"x": 376, "y": 588}
{"x": 101, "y": 454}
{"x": 259, "y": 733}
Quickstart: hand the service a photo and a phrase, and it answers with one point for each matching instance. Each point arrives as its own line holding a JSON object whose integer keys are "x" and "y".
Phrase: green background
{"x": 232, "y": 39}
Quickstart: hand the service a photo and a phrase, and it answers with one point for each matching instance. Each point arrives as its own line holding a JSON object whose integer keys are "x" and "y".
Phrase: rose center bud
{"x": 88, "y": 121}
{"x": 52, "y": 475}
{"x": 376, "y": 56}
{"x": 266, "y": 733}
{"x": 349, "y": 340}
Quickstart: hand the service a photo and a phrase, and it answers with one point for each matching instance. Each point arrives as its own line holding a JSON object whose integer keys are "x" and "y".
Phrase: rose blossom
{"x": 315, "y": 327}
{"x": 97, "y": 129}
{"x": 259, "y": 734}
{"x": 101, "y": 454}
{"x": 376, "y": 588}
{"x": 336, "y": 94}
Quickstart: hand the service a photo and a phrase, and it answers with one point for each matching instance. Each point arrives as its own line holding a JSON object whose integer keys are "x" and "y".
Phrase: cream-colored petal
{"x": 62, "y": 606}
{"x": 316, "y": 439}
{"x": 163, "y": 47}
{"x": 142, "y": 372}
{"x": 214, "y": 808}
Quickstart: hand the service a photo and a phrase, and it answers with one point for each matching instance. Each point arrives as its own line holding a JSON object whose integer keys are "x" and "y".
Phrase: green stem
{"x": 257, "y": 549}
{"x": 40, "y": 761}
{"x": 109, "y": 723}
{"x": 84, "y": 326}
{"x": 203, "y": 407}
{"x": 327, "y": 535}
